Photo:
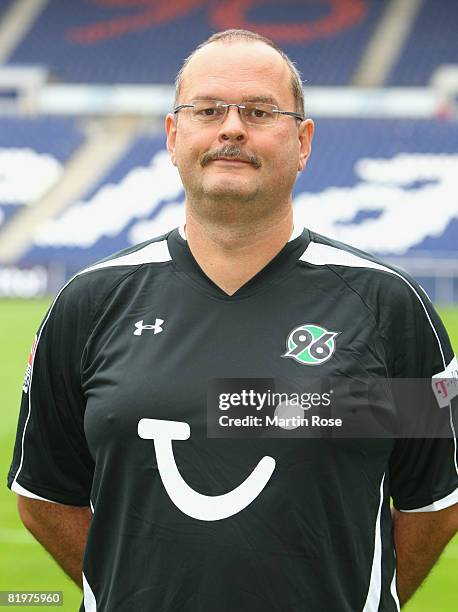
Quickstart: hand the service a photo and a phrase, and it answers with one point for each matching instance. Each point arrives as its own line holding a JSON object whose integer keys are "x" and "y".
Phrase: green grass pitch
{"x": 24, "y": 565}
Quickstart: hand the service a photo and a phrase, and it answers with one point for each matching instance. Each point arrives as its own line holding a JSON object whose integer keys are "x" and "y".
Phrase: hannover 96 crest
{"x": 310, "y": 344}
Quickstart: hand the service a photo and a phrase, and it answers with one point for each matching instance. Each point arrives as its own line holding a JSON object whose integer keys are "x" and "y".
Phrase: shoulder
{"x": 153, "y": 251}
{"x": 368, "y": 275}
{"x": 107, "y": 272}
{"x": 403, "y": 311}
{"x": 83, "y": 294}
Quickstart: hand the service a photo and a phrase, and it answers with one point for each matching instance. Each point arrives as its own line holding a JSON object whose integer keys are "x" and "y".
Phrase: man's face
{"x": 270, "y": 156}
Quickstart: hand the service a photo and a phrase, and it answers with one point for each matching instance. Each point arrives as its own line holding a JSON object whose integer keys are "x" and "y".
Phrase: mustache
{"x": 231, "y": 152}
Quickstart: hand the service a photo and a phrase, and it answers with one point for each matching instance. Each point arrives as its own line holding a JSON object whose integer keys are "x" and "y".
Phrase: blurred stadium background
{"x": 84, "y": 87}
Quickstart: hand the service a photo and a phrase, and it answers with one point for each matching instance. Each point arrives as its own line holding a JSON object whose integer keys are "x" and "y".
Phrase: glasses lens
{"x": 207, "y": 111}
{"x": 259, "y": 113}
{"x": 214, "y": 111}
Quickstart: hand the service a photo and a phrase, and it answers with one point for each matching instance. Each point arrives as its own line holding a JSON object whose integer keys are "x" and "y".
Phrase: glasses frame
{"x": 227, "y": 106}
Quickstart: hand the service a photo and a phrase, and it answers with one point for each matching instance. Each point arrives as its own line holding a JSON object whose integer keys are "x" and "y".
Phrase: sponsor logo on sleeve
{"x": 28, "y": 369}
{"x": 445, "y": 384}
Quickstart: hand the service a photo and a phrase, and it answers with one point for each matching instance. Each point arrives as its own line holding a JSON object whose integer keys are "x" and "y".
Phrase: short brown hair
{"x": 246, "y": 35}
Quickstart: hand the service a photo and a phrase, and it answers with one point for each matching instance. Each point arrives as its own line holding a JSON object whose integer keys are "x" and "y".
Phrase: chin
{"x": 234, "y": 197}
{"x": 230, "y": 191}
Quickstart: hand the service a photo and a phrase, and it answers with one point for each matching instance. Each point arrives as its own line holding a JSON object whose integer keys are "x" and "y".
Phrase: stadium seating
{"x": 32, "y": 152}
{"x": 136, "y": 189}
{"x": 4, "y": 6}
{"x": 134, "y": 41}
{"x": 431, "y": 43}
{"x": 366, "y": 177}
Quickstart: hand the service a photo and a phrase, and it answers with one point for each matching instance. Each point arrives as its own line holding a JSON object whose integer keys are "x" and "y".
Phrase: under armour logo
{"x": 157, "y": 327}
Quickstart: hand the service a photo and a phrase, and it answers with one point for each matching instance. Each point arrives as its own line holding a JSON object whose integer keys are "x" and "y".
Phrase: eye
{"x": 207, "y": 111}
{"x": 259, "y": 113}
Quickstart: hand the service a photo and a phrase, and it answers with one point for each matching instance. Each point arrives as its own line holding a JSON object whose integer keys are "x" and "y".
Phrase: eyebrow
{"x": 267, "y": 99}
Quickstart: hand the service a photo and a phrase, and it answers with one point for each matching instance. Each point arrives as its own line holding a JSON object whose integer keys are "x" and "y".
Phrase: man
{"x": 112, "y": 455}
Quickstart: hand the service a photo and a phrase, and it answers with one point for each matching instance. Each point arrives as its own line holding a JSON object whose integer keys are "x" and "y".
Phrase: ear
{"x": 306, "y": 130}
{"x": 171, "y": 131}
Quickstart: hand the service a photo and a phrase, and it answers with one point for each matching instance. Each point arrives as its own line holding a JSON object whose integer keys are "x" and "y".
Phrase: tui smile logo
{"x": 310, "y": 344}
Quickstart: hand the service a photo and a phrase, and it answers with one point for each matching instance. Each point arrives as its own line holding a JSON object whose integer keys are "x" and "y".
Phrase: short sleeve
{"x": 51, "y": 459}
{"x": 423, "y": 472}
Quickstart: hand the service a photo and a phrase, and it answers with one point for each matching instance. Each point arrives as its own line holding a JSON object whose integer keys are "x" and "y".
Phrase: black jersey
{"x": 114, "y": 416}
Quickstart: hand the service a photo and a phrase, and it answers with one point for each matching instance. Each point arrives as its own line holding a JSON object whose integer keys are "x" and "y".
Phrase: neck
{"x": 231, "y": 254}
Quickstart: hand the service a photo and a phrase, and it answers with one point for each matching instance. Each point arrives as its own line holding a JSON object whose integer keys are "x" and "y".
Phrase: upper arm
{"x": 34, "y": 511}
{"x": 429, "y": 528}
{"x": 51, "y": 460}
{"x": 423, "y": 470}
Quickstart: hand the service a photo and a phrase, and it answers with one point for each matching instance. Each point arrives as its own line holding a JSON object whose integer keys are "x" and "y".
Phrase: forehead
{"x": 234, "y": 70}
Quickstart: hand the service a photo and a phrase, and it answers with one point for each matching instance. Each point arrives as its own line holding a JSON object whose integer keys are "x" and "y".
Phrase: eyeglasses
{"x": 252, "y": 113}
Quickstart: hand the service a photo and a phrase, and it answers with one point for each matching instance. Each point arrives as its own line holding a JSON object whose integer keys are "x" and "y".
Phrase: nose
{"x": 233, "y": 128}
